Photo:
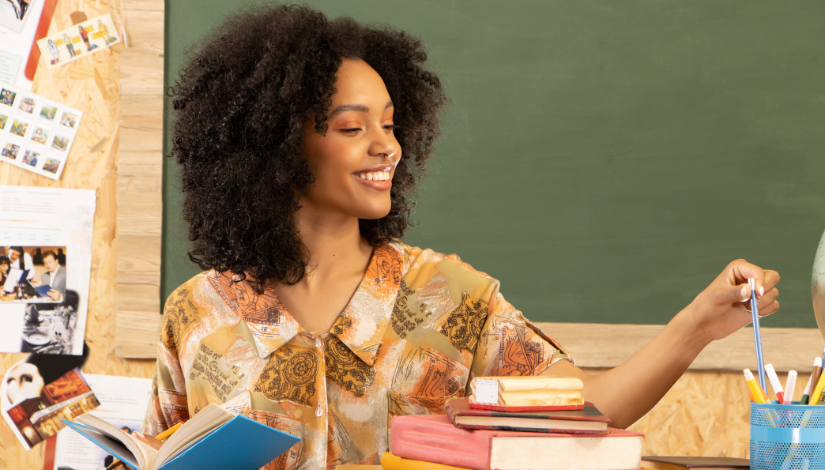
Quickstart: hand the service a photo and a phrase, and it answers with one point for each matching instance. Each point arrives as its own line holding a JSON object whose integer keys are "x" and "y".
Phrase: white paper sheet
{"x": 123, "y": 402}
{"x": 16, "y": 41}
{"x": 33, "y": 217}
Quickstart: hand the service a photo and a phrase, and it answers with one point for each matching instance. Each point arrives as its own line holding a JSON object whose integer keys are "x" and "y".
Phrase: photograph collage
{"x": 45, "y": 257}
{"x": 35, "y": 134}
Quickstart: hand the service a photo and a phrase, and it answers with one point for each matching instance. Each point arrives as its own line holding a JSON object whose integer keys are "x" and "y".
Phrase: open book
{"x": 212, "y": 439}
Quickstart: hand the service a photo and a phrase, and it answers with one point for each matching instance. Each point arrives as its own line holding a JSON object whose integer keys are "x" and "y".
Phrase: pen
{"x": 159, "y": 437}
{"x": 815, "y": 373}
{"x": 817, "y": 395}
{"x": 777, "y": 386}
{"x": 757, "y": 336}
{"x": 789, "y": 386}
{"x": 807, "y": 392}
{"x": 756, "y": 391}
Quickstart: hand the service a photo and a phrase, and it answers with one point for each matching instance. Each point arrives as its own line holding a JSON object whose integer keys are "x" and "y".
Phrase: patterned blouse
{"x": 419, "y": 326}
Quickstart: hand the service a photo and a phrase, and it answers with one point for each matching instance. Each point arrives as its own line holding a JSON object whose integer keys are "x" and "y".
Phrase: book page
{"x": 196, "y": 428}
{"x": 114, "y": 433}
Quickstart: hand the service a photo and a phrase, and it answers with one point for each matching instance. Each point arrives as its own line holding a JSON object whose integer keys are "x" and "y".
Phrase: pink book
{"x": 433, "y": 438}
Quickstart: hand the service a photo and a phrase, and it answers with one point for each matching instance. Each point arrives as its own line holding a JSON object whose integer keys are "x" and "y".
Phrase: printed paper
{"x": 486, "y": 391}
{"x": 79, "y": 41}
{"x": 36, "y": 134}
{"x": 123, "y": 402}
{"x": 40, "y": 390}
{"x": 17, "y": 39}
{"x": 45, "y": 264}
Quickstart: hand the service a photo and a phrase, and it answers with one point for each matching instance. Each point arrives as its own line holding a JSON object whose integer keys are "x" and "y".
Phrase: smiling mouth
{"x": 374, "y": 174}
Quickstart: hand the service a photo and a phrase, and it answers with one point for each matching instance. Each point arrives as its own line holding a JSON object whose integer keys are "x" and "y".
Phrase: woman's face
{"x": 354, "y": 162}
{"x": 4, "y": 268}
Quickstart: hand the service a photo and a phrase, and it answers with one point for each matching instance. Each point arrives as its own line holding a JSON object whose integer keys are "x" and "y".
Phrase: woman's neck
{"x": 338, "y": 259}
{"x": 335, "y": 246}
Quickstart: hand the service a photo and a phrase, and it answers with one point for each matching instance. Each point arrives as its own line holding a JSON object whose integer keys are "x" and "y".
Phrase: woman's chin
{"x": 374, "y": 213}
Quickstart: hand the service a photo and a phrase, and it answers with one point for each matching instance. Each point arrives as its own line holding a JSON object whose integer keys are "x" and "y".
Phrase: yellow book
{"x": 391, "y": 462}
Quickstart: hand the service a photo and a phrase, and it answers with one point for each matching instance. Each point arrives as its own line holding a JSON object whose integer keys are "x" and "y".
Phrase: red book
{"x": 588, "y": 420}
{"x": 433, "y": 438}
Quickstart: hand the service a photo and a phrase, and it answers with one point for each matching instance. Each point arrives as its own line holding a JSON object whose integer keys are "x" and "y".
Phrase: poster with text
{"x": 45, "y": 264}
{"x": 19, "y": 20}
{"x": 36, "y": 134}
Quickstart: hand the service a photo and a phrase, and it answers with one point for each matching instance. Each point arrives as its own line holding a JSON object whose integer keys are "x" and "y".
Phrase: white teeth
{"x": 375, "y": 176}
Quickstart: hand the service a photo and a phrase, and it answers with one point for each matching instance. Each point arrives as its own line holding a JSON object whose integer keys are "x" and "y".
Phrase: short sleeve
{"x": 510, "y": 345}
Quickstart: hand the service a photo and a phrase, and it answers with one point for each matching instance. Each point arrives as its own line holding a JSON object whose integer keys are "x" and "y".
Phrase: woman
{"x": 300, "y": 142}
{"x": 5, "y": 266}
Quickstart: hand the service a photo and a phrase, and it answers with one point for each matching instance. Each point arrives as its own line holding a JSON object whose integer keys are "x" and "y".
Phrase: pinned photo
{"x": 40, "y": 135}
{"x": 3, "y": 121}
{"x": 30, "y": 158}
{"x": 68, "y": 119}
{"x": 40, "y": 390}
{"x": 60, "y": 143}
{"x": 93, "y": 35}
{"x": 10, "y": 151}
{"x": 48, "y": 112}
{"x": 26, "y": 105}
{"x": 51, "y": 165}
{"x": 7, "y": 97}
{"x": 13, "y": 13}
{"x": 19, "y": 128}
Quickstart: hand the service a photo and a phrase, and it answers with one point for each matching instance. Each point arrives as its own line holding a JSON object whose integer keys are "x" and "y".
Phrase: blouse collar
{"x": 360, "y": 326}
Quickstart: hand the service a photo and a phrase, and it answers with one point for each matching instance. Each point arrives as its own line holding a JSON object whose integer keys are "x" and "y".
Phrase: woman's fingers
{"x": 740, "y": 271}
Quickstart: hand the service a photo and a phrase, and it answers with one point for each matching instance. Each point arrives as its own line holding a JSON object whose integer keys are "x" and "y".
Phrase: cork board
{"x": 98, "y": 86}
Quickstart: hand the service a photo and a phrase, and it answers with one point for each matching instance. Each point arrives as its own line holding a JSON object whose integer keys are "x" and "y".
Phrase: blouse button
{"x": 319, "y": 411}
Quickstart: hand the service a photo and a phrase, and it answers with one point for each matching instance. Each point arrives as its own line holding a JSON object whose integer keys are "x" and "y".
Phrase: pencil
{"x": 757, "y": 336}
{"x": 159, "y": 437}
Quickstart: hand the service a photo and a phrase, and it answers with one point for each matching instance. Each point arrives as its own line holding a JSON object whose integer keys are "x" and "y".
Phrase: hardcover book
{"x": 588, "y": 420}
{"x": 694, "y": 463}
{"x": 433, "y": 438}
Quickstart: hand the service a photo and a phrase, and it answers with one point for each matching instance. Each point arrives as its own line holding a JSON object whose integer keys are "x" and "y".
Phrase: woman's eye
{"x": 351, "y": 130}
{"x": 389, "y": 127}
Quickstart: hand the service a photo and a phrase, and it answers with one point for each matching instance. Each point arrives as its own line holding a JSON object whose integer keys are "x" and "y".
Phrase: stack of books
{"x": 530, "y": 423}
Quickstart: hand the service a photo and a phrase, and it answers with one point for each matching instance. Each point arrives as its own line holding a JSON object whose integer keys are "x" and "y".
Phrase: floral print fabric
{"x": 418, "y": 328}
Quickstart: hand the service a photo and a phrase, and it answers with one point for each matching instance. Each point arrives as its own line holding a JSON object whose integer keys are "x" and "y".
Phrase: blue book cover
{"x": 240, "y": 443}
{"x": 43, "y": 291}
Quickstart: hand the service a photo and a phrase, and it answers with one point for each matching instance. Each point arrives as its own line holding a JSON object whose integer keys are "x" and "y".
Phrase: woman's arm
{"x": 624, "y": 394}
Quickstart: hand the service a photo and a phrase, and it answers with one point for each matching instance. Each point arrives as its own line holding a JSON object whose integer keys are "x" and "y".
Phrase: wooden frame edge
{"x": 597, "y": 345}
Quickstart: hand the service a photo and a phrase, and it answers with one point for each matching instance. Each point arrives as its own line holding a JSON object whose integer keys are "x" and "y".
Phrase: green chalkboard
{"x": 605, "y": 160}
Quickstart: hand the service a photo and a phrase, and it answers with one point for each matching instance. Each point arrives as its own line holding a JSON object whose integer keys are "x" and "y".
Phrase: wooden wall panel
{"x": 602, "y": 345}
{"x": 140, "y": 173}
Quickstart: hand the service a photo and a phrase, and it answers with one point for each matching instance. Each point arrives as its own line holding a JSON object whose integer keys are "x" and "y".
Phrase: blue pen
{"x": 757, "y": 336}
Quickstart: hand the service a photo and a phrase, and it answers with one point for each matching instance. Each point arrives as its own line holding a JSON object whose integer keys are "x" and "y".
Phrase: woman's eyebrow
{"x": 355, "y": 107}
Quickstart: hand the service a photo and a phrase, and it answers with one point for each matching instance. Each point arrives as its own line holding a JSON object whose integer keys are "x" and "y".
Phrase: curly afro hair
{"x": 241, "y": 103}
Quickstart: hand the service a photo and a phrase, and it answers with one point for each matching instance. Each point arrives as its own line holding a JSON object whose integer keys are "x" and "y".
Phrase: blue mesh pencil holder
{"x": 787, "y": 437}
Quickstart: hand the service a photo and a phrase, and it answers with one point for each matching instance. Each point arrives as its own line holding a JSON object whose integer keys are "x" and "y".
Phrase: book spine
{"x": 439, "y": 442}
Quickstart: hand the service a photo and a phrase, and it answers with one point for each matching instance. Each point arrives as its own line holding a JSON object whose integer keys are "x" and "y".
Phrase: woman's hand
{"x": 719, "y": 310}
